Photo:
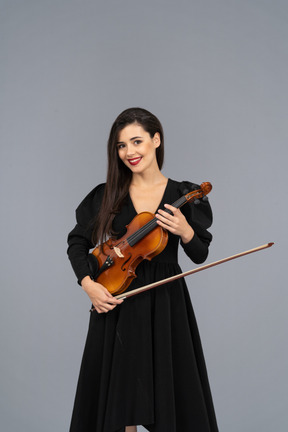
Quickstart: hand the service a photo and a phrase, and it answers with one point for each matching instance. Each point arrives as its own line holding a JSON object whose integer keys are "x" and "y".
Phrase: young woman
{"x": 143, "y": 363}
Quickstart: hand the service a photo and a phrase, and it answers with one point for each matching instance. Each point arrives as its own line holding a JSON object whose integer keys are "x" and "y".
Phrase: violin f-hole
{"x": 125, "y": 262}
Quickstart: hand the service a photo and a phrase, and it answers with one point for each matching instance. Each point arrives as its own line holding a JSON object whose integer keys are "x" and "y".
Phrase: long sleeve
{"x": 199, "y": 216}
{"x": 80, "y": 238}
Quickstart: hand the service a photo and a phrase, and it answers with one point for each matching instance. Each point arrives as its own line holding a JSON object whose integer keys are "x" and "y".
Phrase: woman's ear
{"x": 156, "y": 139}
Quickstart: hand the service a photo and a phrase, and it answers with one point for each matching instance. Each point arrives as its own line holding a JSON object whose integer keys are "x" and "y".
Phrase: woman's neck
{"x": 148, "y": 179}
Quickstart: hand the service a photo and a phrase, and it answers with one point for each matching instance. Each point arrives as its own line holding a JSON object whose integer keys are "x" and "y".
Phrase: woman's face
{"x": 137, "y": 149}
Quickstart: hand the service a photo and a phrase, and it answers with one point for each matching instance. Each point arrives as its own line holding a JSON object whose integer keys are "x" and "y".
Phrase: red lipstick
{"x": 134, "y": 161}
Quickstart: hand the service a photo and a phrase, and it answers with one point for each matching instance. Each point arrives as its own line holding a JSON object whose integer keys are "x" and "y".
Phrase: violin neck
{"x": 149, "y": 226}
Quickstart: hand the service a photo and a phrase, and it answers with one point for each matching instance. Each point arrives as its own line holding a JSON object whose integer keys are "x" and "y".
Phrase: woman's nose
{"x": 130, "y": 150}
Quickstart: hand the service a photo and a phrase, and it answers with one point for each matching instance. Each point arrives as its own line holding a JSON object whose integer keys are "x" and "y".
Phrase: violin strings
{"x": 139, "y": 234}
{"x": 152, "y": 223}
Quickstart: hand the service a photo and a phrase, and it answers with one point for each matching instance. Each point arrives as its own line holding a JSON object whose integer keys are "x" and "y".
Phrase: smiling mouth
{"x": 134, "y": 161}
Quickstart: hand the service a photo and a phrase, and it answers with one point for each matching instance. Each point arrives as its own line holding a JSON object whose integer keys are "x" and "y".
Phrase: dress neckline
{"x": 162, "y": 199}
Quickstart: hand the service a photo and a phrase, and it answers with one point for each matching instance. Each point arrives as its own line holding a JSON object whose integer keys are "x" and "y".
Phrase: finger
{"x": 172, "y": 208}
{"x": 162, "y": 214}
{"x": 169, "y": 220}
{"x": 106, "y": 308}
{"x": 166, "y": 226}
{"x": 166, "y": 217}
{"x": 109, "y": 307}
{"x": 108, "y": 294}
{"x": 112, "y": 299}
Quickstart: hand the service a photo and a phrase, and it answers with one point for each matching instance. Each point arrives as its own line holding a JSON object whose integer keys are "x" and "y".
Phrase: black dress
{"x": 143, "y": 362}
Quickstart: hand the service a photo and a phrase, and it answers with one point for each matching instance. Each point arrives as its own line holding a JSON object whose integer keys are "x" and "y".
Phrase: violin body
{"x": 118, "y": 259}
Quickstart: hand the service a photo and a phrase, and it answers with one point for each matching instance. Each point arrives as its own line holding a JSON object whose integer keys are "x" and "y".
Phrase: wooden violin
{"x": 115, "y": 261}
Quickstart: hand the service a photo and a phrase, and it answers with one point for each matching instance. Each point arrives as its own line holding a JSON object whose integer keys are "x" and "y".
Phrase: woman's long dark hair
{"x": 118, "y": 175}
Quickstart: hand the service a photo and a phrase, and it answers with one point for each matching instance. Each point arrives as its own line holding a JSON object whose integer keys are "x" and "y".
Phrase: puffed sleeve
{"x": 80, "y": 238}
{"x": 199, "y": 216}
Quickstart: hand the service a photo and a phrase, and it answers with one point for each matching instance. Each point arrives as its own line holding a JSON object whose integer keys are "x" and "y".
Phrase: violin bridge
{"x": 118, "y": 252}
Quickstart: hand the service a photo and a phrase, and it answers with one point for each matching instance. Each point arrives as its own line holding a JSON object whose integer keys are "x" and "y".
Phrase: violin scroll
{"x": 197, "y": 194}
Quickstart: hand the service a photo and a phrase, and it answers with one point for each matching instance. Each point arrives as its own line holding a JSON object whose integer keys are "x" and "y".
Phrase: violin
{"x": 115, "y": 261}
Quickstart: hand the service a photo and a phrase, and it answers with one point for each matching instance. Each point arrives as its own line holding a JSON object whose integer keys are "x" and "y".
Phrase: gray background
{"x": 214, "y": 72}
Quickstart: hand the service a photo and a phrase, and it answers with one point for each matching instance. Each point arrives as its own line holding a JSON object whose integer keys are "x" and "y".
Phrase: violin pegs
{"x": 196, "y": 201}
{"x": 205, "y": 198}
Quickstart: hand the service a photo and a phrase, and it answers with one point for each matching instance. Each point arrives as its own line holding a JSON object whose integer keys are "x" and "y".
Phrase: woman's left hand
{"x": 175, "y": 223}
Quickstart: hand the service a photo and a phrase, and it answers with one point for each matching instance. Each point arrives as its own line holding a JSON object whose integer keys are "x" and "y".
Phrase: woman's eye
{"x": 137, "y": 142}
{"x": 120, "y": 146}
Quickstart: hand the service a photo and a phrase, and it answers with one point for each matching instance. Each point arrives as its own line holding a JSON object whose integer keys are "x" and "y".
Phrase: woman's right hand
{"x": 101, "y": 298}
